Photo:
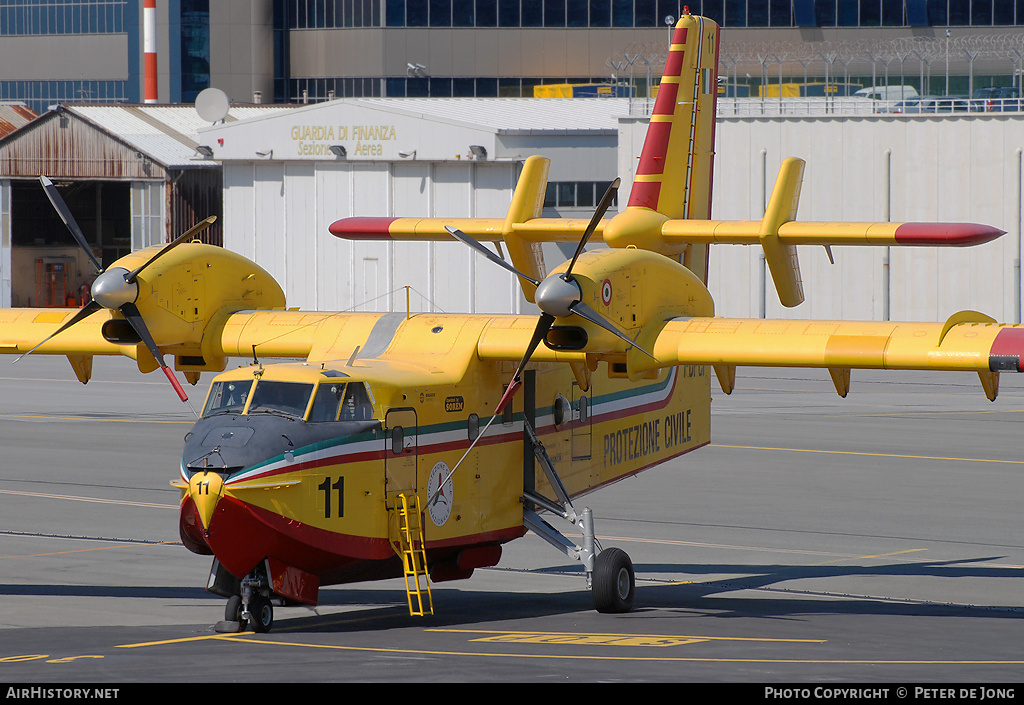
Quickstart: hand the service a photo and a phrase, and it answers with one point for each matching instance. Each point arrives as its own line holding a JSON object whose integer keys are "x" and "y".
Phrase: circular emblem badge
{"x": 439, "y": 508}
{"x": 606, "y": 292}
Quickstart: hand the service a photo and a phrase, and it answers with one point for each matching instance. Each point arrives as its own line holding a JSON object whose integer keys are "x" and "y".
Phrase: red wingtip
{"x": 946, "y": 234}
{"x": 174, "y": 383}
{"x": 362, "y": 228}
{"x": 1007, "y": 353}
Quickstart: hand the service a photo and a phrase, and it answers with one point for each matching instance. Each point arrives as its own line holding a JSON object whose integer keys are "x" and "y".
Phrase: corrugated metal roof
{"x": 13, "y": 116}
{"x": 166, "y": 133}
{"x": 514, "y": 115}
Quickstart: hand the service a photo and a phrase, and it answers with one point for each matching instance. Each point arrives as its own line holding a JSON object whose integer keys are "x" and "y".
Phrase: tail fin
{"x": 674, "y": 175}
{"x": 527, "y": 203}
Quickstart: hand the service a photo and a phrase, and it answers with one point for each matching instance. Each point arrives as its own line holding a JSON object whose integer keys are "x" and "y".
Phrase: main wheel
{"x": 233, "y": 611}
{"x": 262, "y": 612}
{"x": 613, "y": 581}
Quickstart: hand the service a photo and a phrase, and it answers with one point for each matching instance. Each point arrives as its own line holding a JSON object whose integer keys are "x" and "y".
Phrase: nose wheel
{"x": 233, "y": 612}
{"x": 261, "y": 614}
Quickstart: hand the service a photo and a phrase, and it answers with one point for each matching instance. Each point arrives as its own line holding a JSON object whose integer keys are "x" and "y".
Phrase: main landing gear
{"x": 609, "y": 571}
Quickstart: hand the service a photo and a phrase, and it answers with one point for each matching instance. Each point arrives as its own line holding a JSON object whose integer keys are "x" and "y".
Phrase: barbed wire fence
{"x": 930, "y": 62}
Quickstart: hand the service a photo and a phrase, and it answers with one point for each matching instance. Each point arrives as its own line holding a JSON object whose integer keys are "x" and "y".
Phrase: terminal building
{"x": 309, "y": 50}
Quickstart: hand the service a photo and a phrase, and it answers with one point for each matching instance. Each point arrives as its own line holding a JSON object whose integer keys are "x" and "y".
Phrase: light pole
{"x": 947, "y": 62}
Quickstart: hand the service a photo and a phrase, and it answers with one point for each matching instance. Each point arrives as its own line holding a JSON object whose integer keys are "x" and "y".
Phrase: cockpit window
{"x": 341, "y": 402}
{"x": 281, "y": 397}
{"x": 327, "y": 402}
{"x": 227, "y": 396}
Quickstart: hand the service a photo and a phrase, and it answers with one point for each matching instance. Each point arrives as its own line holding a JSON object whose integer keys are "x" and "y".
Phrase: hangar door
{"x": 48, "y": 269}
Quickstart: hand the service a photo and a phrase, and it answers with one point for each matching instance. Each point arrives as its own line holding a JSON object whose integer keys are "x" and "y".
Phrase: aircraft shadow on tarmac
{"x": 382, "y": 608}
{"x": 143, "y": 592}
{"x": 461, "y": 606}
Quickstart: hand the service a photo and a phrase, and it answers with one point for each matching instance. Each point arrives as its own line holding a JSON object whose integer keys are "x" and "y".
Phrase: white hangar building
{"x": 283, "y": 187}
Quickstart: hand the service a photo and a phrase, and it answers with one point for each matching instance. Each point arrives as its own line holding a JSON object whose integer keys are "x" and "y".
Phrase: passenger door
{"x": 400, "y": 454}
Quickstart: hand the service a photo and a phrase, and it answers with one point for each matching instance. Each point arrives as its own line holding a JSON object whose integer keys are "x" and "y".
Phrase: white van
{"x": 887, "y": 92}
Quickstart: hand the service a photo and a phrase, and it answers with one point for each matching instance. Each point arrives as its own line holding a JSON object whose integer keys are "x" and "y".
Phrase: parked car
{"x": 887, "y": 93}
{"x": 932, "y": 104}
{"x": 996, "y": 99}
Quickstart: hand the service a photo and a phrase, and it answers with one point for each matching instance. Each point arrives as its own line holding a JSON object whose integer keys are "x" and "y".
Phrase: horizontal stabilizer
{"x": 745, "y": 232}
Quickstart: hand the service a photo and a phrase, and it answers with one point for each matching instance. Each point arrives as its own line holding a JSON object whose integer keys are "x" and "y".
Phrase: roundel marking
{"x": 441, "y": 507}
{"x": 606, "y": 292}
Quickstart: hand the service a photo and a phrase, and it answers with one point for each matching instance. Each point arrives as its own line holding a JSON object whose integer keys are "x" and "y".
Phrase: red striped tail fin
{"x": 673, "y": 177}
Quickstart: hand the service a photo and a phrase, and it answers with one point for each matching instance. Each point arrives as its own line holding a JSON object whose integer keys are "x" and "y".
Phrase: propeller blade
{"x": 584, "y": 311}
{"x": 185, "y": 236}
{"x": 84, "y": 312}
{"x": 606, "y": 201}
{"x": 543, "y": 326}
{"x": 69, "y": 220}
{"x": 132, "y": 315}
{"x": 479, "y": 247}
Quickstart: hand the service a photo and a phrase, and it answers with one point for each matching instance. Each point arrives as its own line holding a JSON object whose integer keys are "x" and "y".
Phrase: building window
{"x": 486, "y": 13}
{"x": 981, "y": 12}
{"x": 40, "y": 95}
{"x": 508, "y": 13}
{"x": 600, "y": 13}
{"x": 554, "y": 13}
{"x": 576, "y": 194}
{"x": 195, "y": 48}
{"x": 532, "y": 13}
{"x": 870, "y": 13}
{"x": 18, "y": 17}
{"x": 959, "y": 12}
{"x": 620, "y": 13}
{"x": 440, "y": 13}
{"x": 330, "y": 14}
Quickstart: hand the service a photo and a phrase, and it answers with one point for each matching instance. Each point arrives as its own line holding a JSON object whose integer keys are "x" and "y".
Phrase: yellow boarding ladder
{"x": 413, "y": 555}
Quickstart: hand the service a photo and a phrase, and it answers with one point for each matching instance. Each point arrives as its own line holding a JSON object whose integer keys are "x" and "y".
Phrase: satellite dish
{"x": 212, "y": 104}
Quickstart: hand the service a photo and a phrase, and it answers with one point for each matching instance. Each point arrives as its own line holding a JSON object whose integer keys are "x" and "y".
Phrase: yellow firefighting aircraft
{"x": 397, "y": 445}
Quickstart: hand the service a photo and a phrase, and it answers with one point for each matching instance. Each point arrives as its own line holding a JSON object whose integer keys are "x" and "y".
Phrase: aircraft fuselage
{"x": 296, "y": 469}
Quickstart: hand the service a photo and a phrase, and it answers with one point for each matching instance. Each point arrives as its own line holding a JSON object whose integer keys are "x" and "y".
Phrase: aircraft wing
{"x": 23, "y": 328}
{"x": 967, "y": 341}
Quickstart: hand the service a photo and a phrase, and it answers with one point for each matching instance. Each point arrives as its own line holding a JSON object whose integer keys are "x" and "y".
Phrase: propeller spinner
{"x": 558, "y": 295}
{"x": 117, "y": 289}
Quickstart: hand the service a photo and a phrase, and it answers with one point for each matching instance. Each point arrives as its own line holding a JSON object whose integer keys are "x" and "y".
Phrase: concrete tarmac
{"x": 873, "y": 539}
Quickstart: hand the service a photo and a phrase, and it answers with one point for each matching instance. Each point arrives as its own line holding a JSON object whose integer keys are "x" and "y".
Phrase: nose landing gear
{"x": 250, "y": 608}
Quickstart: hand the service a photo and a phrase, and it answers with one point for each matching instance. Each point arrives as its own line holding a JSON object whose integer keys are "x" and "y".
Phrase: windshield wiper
{"x": 276, "y": 412}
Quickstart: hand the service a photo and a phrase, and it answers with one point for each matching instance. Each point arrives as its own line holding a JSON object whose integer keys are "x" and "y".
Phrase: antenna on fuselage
{"x": 352, "y": 357}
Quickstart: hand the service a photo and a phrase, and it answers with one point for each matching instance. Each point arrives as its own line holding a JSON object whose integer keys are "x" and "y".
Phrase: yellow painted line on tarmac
{"x": 698, "y": 544}
{"x": 73, "y": 498}
{"x": 872, "y": 455}
{"x": 96, "y": 548}
{"x": 47, "y": 417}
{"x": 877, "y": 555}
{"x": 183, "y": 640}
{"x": 925, "y": 413}
{"x": 252, "y": 639}
{"x": 700, "y": 637}
{"x": 91, "y": 381}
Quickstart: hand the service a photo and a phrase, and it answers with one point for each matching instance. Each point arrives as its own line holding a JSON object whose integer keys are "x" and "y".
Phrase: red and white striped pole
{"x": 149, "y": 47}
